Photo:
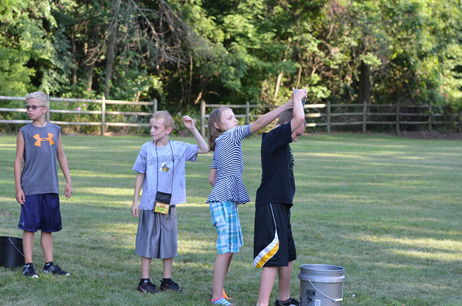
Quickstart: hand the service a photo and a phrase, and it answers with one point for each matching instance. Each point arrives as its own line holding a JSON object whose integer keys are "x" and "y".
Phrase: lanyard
{"x": 157, "y": 165}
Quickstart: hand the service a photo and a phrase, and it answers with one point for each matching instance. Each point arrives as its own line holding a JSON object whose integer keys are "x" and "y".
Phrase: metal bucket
{"x": 321, "y": 285}
{"x": 11, "y": 253}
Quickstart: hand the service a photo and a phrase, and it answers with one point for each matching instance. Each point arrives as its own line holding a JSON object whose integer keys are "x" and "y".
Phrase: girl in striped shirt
{"x": 225, "y": 137}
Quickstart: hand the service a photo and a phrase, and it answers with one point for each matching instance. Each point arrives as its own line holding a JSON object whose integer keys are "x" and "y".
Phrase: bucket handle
{"x": 333, "y": 300}
{"x": 9, "y": 238}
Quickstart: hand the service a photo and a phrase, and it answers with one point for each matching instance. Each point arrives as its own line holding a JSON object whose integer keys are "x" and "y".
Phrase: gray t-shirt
{"x": 40, "y": 169}
{"x": 162, "y": 165}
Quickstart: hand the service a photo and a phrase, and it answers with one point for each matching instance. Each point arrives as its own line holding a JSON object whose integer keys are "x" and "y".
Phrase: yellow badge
{"x": 161, "y": 208}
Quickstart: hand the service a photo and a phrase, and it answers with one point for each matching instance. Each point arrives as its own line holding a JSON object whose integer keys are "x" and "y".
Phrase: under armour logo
{"x": 38, "y": 143}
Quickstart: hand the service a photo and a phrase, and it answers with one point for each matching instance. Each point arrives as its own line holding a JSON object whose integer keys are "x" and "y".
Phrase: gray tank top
{"x": 40, "y": 169}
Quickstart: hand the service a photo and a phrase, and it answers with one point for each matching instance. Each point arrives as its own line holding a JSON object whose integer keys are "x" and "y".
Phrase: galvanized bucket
{"x": 321, "y": 285}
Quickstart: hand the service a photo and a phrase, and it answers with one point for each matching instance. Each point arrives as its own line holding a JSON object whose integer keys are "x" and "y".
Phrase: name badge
{"x": 161, "y": 208}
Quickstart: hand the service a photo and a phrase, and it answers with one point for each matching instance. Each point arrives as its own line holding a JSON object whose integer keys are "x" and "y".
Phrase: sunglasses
{"x": 34, "y": 107}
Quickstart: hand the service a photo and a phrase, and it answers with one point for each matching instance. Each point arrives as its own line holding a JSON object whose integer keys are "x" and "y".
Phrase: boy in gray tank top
{"x": 36, "y": 181}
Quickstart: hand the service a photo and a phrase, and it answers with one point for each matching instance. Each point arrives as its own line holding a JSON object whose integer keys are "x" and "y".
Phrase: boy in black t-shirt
{"x": 274, "y": 247}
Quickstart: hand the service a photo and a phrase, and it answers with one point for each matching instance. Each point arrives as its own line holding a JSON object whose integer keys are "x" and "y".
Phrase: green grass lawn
{"x": 385, "y": 208}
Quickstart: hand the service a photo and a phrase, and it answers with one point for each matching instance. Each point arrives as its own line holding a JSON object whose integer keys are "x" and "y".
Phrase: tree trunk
{"x": 299, "y": 77}
{"x": 278, "y": 84}
{"x": 74, "y": 58}
{"x": 365, "y": 85}
{"x": 111, "y": 47}
{"x": 279, "y": 78}
{"x": 88, "y": 71}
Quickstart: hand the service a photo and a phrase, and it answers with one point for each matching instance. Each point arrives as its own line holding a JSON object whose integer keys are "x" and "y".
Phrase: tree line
{"x": 233, "y": 51}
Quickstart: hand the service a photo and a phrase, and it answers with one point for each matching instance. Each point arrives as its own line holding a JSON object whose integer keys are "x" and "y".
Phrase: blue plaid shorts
{"x": 225, "y": 218}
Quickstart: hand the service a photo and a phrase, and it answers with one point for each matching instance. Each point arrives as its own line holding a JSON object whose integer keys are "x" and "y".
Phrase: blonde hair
{"x": 168, "y": 119}
{"x": 214, "y": 132}
{"x": 42, "y": 97}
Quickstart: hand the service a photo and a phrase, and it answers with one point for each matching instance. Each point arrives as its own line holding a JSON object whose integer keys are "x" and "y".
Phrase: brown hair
{"x": 168, "y": 119}
{"x": 285, "y": 116}
{"x": 214, "y": 132}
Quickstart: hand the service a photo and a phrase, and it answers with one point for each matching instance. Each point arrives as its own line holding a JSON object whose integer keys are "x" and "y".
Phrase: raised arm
{"x": 189, "y": 123}
{"x": 269, "y": 117}
{"x": 298, "y": 112}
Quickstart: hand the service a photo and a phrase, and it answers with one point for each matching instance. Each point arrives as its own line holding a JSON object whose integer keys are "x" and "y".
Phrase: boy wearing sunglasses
{"x": 36, "y": 181}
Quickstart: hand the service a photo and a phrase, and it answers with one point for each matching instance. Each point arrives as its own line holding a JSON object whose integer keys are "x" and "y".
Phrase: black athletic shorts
{"x": 273, "y": 244}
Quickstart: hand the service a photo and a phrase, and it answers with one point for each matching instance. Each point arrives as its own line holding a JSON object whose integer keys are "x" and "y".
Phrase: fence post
{"x": 364, "y": 116}
{"x": 458, "y": 118}
{"x": 203, "y": 118}
{"x": 48, "y": 111}
{"x": 247, "y": 113}
{"x": 103, "y": 116}
{"x": 154, "y": 105}
{"x": 429, "y": 117}
{"x": 397, "y": 118}
{"x": 328, "y": 115}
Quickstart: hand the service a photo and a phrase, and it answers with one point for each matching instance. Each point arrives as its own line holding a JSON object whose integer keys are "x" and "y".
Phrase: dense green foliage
{"x": 182, "y": 51}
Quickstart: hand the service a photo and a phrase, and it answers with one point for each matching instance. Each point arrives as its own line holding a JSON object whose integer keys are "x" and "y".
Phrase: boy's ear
{"x": 169, "y": 130}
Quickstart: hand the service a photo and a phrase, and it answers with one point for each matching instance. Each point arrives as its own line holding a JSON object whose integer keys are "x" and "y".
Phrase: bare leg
{"x": 224, "y": 293}
{"x": 168, "y": 264}
{"x": 285, "y": 274}
{"x": 268, "y": 277}
{"x": 145, "y": 267}
{"x": 46, "y": 240}
{"x": 28, "y": 245}
{"x": 220, "y": 270}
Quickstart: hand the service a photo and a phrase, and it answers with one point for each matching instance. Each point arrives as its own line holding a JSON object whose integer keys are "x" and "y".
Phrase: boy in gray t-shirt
{"x": 37, "y": 189}
{"x": 160, "y": 168}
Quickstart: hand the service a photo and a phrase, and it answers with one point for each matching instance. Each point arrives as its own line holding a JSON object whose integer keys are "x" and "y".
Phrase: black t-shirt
{"x": 277, "y": 182}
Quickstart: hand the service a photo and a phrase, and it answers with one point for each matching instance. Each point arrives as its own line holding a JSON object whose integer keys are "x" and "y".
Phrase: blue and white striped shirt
{"x": 228, "y": 160}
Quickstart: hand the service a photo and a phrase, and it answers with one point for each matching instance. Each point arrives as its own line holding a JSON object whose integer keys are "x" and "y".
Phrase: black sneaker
{"x": 289, "y": 302}
{"x": 170, "y": 285}
{"x": 147, "y": 287}
{"x": 29, "y": 271}
{"x": 55, "y": 269}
